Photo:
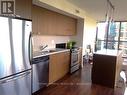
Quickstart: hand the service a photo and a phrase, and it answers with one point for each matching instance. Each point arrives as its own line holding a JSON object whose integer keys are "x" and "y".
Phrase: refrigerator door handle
{"x": 15, "y": 77}
{"x": 30, "y": 48}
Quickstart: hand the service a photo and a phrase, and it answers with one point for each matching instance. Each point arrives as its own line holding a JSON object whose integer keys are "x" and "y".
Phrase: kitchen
{"x": 44, "y": 20}
{"x": 53, "y": 33}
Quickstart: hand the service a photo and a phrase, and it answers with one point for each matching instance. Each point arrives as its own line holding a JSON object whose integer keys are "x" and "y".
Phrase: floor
{"x": 79, "y": 83}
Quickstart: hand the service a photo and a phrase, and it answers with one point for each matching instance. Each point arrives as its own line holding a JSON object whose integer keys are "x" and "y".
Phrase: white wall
{"x": 79, "y": 36}
{"x": 89, "y": 34}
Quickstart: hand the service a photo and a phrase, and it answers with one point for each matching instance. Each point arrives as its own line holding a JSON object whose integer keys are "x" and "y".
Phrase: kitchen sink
{"x": 48, "y": 51}
{"x": 52, "y": 50}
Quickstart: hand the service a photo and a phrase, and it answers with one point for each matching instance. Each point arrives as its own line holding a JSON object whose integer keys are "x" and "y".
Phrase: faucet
{"x": 43, "y": 47}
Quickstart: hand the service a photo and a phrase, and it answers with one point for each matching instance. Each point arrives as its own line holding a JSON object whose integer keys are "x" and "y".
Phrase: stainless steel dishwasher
{"x": 40, "y": 72}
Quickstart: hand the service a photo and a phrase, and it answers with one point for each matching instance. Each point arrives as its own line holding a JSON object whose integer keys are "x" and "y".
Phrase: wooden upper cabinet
{"x": 46, "y": 22}
{"x": 65, "y": 25}
{"x": 23, "y": 8}
{"x": 52, "y": 23}
{"x": 35, "y": 15}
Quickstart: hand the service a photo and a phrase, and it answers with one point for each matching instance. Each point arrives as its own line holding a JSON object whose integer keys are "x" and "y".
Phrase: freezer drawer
{"x": 19, "y": 84}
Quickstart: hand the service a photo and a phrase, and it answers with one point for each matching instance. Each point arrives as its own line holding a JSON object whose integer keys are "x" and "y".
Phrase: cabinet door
{"x": 23, "y": 8}
{"x": 53, "y": 65}
{"x": 64, "y": 60}
{"x": 47, "y": 22}
{"x": 65, "y": 25}
{"x": 58, "y": 66}
{"x": 35, "y": 13}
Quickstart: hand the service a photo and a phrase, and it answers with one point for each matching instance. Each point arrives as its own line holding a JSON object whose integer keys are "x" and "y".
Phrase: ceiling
{"x": 97, "y": 8}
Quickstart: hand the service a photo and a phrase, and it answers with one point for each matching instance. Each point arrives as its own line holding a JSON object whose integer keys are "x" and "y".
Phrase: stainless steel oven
{"x": 74, "y": 60}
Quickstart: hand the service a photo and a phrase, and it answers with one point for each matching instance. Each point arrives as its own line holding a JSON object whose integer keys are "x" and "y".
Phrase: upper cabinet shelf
{"x": 46, "y": 22}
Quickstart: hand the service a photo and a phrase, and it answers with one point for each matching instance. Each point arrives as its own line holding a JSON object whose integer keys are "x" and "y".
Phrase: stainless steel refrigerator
{"x": 15, "y": 56}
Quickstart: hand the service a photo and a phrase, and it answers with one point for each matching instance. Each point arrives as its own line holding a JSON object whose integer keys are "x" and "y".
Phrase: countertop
{"x": 48, "y": 52}
{"x": 109, "y": 52}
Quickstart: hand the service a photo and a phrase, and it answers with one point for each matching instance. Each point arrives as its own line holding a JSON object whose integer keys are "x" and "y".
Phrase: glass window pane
{"x": 123, "y": 46}
{"x": 101, "y": 31}
{"x": 112, "y": 45}
{"x": 100, "y": 45}
{"x": 123, "y": 34}
{"x": 113, "y": 33}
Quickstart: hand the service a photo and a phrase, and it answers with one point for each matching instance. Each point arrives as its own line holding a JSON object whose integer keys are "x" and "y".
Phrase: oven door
{"x": 74, "y": 58}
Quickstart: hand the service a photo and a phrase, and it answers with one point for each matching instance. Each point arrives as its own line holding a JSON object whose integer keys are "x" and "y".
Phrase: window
{"x": 111, "y": 36}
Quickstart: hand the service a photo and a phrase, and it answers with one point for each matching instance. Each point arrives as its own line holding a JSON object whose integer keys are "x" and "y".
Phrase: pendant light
{"x": 109, "y": 17}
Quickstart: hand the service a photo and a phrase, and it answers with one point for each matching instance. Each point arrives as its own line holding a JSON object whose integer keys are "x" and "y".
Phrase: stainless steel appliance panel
{"x": 74, "y": 68}
{"x": 16, "y": 85}
{"x": 40, "y": 73}
{"x": 5, "y": 48}
{"x": 14, "y": 49}
{"x": 74, "y": 60}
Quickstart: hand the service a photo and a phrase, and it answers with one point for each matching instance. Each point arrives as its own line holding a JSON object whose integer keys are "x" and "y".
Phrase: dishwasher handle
{"x": 40, "y": 59}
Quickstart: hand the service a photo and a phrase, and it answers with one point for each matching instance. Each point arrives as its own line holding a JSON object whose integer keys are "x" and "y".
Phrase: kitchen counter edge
{"x": 50, "y": 53}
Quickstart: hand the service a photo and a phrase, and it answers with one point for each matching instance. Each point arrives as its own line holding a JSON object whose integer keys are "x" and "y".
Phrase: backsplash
{"x": 48, "y": 40}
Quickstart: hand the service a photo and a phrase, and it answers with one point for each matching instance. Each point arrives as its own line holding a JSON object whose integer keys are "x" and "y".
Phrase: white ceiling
{"x": 97, "y": 8}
